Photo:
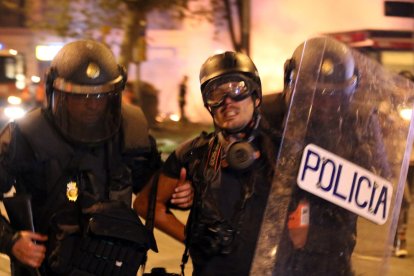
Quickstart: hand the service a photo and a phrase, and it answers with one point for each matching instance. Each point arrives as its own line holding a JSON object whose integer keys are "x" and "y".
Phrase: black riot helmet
{"x": 83, "y": 90}
{"x": 235, "y": 69}
{"x": 327, "y": 66}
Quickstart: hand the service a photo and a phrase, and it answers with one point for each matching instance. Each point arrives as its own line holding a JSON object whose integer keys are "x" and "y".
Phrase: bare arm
{"x": 178, "y": 191}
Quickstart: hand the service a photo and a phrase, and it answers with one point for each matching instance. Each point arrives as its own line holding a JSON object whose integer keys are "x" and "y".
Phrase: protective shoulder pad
{"x": 37, "y": 129}
{"x": 135, "y": 127}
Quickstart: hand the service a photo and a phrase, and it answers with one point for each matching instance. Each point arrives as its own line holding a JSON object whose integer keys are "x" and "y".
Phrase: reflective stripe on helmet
{"x": 70, "y": 87}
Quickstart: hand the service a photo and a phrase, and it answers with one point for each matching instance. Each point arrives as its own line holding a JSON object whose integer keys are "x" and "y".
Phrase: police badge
{"x": 72, "y": 191}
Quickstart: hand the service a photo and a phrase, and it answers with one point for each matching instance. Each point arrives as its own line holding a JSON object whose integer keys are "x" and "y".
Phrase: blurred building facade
{"x": 179, "y": 48}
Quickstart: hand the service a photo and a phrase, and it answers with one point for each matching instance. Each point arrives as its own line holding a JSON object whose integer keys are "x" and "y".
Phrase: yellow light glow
{"x": 174, "y": 117}
{"x": 405, "y": 113}
{"x": 20, "y": 77}
{"x": 13, "y": 100}
{"x": 14, "y": 112}
{"x": 47, "y": 52}
{"x": 20, "y": 84}
{"x": 35, "y": 79}
{"x": 13, "y": 52}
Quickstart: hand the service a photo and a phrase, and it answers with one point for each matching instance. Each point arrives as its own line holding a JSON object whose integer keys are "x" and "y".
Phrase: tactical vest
{"x": 90, "y": 224}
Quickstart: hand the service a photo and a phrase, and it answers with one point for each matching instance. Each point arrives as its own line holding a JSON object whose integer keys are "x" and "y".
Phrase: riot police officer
{"x": 231, "y": 171}
{"x": 79, "y": 159}
{"x": 329, "y": 78}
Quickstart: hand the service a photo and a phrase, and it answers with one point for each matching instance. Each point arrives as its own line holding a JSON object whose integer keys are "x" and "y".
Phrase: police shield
{"x": 341, "y": 169}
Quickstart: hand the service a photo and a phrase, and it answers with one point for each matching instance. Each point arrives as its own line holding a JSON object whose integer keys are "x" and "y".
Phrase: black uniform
{"x": 229, "y": 204}
{"x": 71, "y": 183}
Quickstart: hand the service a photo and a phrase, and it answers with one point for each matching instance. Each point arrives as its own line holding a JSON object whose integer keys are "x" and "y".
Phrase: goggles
{"x": 236, "y": 87}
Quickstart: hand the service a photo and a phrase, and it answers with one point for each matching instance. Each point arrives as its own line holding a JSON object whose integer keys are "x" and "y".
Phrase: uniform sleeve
{"x": 6, "y": 182}
{"x": 7, "y": 237}
{"x": 7, "y": 144}
{"x": 144, "y": 165}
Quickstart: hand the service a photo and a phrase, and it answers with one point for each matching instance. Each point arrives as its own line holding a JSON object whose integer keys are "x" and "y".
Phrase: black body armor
{"x": 81, "y": 195}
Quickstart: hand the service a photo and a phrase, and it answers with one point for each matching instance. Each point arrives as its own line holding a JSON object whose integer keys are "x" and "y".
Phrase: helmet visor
{"x": 236, "y": 87}
{"x": 87, "y": 118}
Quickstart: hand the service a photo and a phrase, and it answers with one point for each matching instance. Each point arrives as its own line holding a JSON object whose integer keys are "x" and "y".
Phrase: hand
{"x": 183, "y": 193}
{"x": 27, "y": 251}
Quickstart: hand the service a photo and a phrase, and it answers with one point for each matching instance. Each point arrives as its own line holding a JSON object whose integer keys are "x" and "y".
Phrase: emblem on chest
{"x": 72, "y": 191}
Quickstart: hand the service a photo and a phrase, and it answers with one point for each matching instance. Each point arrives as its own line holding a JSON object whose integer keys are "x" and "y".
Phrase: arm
{"x": 164, "y": 219}
{"x": 20, "y": 244}
{"x": 28, "y": 250}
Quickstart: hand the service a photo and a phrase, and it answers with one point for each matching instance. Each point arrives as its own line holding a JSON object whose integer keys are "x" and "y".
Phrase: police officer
{"x": 328, "y": 80}
{"x": 231, "y": 170}
{"x": 79, "y": 159}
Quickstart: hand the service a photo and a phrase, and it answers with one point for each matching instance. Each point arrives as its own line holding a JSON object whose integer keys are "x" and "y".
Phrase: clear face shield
{"x": 87, "y": 117}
